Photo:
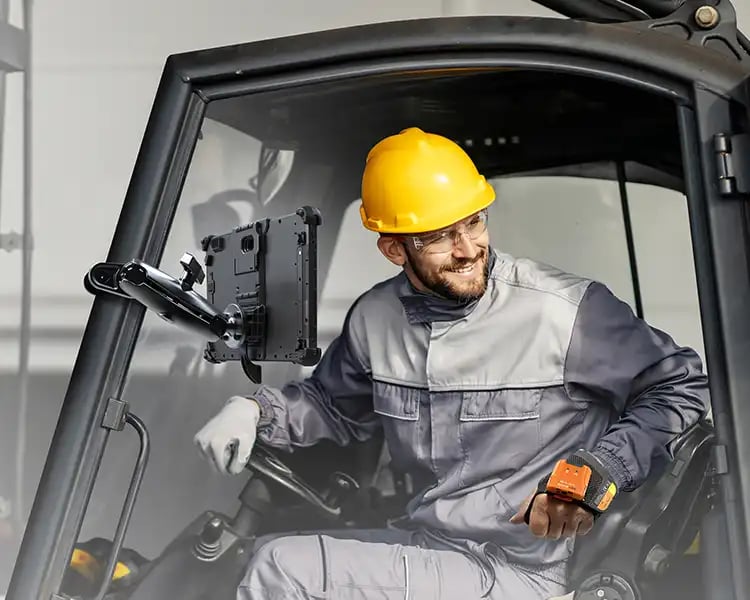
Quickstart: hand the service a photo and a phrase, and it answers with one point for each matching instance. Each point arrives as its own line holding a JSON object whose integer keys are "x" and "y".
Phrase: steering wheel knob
{"x": 344, "y": 482}
{"x": 341, "y": 487}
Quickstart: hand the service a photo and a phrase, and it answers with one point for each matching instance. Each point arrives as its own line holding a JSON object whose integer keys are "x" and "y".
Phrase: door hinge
{"x": 733, "y": 163}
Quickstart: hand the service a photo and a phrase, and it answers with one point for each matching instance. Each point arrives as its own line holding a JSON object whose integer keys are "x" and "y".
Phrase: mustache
{"x": 464, "y": 262}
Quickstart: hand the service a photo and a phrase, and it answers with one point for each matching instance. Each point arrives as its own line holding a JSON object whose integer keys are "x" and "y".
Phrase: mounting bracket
{"x": 710, "y": 24}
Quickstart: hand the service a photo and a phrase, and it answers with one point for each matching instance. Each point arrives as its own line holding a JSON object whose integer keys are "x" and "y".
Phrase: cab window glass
{"x": 573, "y": 223}
{"x": 577, "y": 224}
{"x": 664, "y": 250}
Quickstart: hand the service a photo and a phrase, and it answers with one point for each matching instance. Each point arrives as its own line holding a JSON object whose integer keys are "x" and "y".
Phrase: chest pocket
{"x": 398, "y": 407}
{"x": 500, "y": 430}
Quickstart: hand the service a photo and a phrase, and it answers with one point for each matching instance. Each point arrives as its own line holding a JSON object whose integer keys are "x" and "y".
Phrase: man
{"x": 484, "y": 371}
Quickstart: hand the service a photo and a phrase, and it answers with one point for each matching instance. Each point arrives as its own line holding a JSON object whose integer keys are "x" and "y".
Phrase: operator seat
{"x": 631, "y": 544}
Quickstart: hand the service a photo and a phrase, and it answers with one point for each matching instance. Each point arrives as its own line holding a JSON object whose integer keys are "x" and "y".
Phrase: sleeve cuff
{"x": 266, "y": 409}
{"x": 615, "y": 467}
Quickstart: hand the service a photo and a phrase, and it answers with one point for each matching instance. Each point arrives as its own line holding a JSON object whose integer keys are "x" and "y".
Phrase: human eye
{"x": 476, "y": 223}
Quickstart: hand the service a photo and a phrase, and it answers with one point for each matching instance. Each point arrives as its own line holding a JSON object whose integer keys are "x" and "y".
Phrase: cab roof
{"x": 550, "y": 95}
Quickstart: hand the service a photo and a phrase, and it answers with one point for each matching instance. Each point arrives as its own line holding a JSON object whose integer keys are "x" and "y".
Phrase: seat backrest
{"x": 665, "y": 510}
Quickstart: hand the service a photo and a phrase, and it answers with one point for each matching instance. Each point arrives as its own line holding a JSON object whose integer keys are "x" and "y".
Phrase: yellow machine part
{"x": 86, "y": 565}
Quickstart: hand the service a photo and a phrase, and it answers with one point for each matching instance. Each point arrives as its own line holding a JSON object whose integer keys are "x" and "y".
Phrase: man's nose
{"x": 463, "y": 246}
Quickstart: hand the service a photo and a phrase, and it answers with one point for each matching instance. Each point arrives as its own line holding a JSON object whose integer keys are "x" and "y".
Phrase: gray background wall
{"x": 96, "y": 66}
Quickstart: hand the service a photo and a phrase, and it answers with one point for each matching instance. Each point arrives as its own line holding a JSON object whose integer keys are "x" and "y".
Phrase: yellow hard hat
{"x": 415, "y": 182}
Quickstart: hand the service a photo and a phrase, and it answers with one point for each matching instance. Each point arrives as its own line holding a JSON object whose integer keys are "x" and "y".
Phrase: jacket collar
{"x": 424, "y": 307}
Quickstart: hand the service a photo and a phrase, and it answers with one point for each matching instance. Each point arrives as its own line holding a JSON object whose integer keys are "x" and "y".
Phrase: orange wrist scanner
{"x": 580, "y": 479}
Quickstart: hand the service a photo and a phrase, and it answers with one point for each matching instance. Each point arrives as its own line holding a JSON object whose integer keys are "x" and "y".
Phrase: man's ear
{"x": 392, "y": 248}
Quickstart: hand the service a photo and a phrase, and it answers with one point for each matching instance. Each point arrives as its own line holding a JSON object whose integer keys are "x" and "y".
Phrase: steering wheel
{"x": 266, "y": 463}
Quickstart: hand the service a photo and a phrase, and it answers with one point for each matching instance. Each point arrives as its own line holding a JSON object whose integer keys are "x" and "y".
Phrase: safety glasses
{"x": 443, "y": 241}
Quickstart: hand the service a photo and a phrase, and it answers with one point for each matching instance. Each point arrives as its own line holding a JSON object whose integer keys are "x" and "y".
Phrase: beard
{"x": 441, "y": 282}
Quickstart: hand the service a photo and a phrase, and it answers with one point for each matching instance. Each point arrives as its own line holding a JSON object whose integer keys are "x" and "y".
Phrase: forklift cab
{"x": 639, "y": 102}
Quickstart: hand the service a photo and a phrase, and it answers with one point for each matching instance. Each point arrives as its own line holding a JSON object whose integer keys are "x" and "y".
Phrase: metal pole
{"x": 26, "y": 251}
{"x": 4, "y": 10}
{"x": 625, "y": 204}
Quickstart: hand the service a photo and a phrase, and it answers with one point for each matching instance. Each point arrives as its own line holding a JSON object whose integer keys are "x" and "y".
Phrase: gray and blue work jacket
{"x": 478, "y": 401}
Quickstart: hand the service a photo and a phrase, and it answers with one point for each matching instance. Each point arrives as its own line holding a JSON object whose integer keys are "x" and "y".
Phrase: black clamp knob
{"x": 193, "y": 272}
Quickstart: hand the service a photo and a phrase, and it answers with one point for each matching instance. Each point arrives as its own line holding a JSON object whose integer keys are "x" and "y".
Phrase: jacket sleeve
{"x": 334, "y": 403}
{"x": 657, "y": 390}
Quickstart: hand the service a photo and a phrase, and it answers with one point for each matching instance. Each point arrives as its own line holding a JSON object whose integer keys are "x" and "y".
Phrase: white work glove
{"x": 227, "y": 440}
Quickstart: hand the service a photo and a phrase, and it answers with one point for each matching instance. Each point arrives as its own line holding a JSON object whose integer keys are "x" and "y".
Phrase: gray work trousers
{"x": 382, "y": 564}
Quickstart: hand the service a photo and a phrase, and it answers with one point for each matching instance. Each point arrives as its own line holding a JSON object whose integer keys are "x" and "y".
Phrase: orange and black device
{"x": 572, "y": 483}
{"x": 580, "y": 479}
{"x": 569, "y": 482}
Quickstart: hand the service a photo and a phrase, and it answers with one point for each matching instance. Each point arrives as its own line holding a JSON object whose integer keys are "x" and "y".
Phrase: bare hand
{"x": 552, "y": 518}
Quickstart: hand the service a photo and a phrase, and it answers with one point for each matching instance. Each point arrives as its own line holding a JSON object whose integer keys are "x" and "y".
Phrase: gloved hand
{"x": 227, "y": 440}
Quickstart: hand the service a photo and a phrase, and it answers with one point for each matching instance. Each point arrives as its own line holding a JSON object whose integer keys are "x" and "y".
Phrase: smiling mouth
{"x": 467, "y": 271}
{"x": 463, "y": 270}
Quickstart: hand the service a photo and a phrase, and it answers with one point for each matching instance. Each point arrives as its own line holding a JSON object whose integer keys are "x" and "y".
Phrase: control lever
{"x": 208, "y": 545}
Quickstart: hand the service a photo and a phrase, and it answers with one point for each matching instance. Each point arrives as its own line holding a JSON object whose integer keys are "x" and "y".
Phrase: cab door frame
{"x": 719, "y": 226}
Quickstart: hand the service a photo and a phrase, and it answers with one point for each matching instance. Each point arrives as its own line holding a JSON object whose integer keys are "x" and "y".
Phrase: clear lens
{"x": 443, "y": 241}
